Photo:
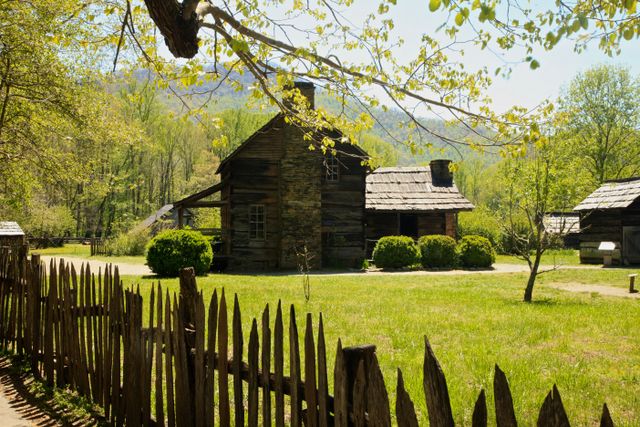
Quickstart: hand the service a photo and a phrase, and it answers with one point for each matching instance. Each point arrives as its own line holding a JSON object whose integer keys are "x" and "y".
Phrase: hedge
{"x": 437, "y": 251}
{"x": 395, "y": 252}
{"x": 476, "y": 251}
{"x": 172, "y": 250}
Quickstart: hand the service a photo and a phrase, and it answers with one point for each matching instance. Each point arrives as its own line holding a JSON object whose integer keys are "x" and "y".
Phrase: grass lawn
{"x": 77, "y": 250}
{"x": 550, "y": 257}
{"x": 585, "y": 343}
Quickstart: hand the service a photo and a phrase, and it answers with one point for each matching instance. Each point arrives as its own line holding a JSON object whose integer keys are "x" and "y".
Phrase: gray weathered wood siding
{"x": 343, "y": 212}
{"x": 605, "y": 225}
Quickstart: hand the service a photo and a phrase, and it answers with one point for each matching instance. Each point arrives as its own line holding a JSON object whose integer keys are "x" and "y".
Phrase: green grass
{"x": 84, "y": 251}
{"x": 550, "y": 257}
{"x": 586, "y": 344}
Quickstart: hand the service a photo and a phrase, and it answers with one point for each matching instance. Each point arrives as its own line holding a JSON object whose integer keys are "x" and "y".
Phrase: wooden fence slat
{"x": 223, "y": 373}
{"x": 108, "y": 340}
{"x": 148, "y": 359}
{"x": 479, "y": 417}
{"x": 294, "y": 367}
{"x": 199, "y": 363}
{"x": 435, "y": 390}
{"x": 405, "y": 410}
{"x": 377, "y": 398}
{"x": 340, "y": 392}
{"x": 169, "y": 346}
{"x": 359, "y": 396}
{"x": 253, "y": 363}
{"x": 211, "y": 361}
{"x": 183, "y": 395}
{"x": 605, "y": 419}
{"x": 266, "y": 368}
{"x": 552, "y": 413}
{"x": 505, "y": 415}
{"x": 237, "y": 363}
{"x": 278, "y": 364}
{"x": 48, "y": 344}
{"x": 323, "y": 383}
{"x": 158, "y": 334}
{"x": 310, "y": 374}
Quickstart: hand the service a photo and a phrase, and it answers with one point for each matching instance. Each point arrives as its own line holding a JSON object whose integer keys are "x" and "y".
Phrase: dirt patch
{"x": 610, "y": 291}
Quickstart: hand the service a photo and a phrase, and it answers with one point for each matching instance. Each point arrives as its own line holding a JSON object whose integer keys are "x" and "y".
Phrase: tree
{"x": 538, "y": 180}
{"x": 603, "y": 121}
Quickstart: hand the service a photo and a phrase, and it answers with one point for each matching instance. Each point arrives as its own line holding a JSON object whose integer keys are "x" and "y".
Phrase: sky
{"x": 525, "y": 87}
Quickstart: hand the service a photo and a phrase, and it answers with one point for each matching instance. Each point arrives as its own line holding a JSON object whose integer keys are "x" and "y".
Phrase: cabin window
{"x": 257, "y": 223}
{"x": 332, "y": 168}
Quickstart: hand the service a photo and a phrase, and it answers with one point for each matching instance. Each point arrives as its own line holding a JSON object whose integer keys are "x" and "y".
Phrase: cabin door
{"x": 631, "y": 245}
{"x": 408, "y": 225}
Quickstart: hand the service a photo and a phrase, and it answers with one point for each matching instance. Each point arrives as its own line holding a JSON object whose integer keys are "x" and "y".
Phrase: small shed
{"x": 413, "y": 201}
{"x": 11, "y": 234}
{"x": 166, "y": 217}
{"x": 611, "y": 214}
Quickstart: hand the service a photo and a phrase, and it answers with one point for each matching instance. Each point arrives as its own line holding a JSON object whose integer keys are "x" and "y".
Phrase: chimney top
{"x": 440, "y": 173}
{"x": 307, "y": 89}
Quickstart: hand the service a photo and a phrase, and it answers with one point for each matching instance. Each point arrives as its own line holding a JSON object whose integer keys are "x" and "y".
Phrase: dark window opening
{"x": 257, "y": 222}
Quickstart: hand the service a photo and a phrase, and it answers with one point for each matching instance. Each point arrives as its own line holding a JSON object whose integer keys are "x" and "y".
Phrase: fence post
{"x": 357, "y": 362}
{"x": 187, "y": 308}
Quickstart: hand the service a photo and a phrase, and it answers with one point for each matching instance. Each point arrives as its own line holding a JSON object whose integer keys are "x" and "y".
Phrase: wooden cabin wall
{"x": 343, "y": 215}
{"x": 380, "y": 224}
{"x": 605, "y": 225}
{"x": 431, "y": 223}
{"x": 252, "y": 177}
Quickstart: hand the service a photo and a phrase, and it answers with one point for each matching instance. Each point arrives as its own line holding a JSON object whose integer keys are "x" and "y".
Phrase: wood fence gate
{"x": 181, "y": 366}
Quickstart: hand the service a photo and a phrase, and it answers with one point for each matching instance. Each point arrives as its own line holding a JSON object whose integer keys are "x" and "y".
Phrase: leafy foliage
{"x": 132, "y": 243}
{"x": 476, "y": 252}
{"x": 172, "y": 250}
{"x": 437, "y": 251}
{"x": 395, "y": 252}
{"x": 482, "y": 221}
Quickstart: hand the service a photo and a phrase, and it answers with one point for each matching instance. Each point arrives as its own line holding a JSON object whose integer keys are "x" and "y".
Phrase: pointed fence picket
{"x": 85, "y": 331}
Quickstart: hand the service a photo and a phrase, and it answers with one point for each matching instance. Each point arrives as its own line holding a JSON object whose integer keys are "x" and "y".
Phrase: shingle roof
{"x": 411, "y": 189}
{"x": 612, "y": 195}
{"x": 157, "y": 215}
{"x": 562, "y": 223}
{"x": 10, "y": 228}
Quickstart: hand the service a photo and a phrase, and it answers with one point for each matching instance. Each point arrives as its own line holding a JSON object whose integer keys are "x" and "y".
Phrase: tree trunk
{"x": 528, "y": 292}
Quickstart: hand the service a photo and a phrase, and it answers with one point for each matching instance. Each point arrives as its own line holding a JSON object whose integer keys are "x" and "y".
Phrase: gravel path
{"x": 9, "y": 417}
{"x": 124, "y": 268}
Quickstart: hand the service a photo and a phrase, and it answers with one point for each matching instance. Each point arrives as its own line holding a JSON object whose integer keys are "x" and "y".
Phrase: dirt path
{"x": 124, "y": 268}
{"x": 127, "y": 269}
{"x": 610, "y": 291}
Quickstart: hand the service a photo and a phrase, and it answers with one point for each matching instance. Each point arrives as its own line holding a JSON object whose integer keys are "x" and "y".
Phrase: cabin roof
{"x": 617, "y": 194}
{"x": 267, "y": 126}
{"x": 562, "y": 222}
{"x": 10, "y": 228}
{"x": 157, "y": 215}
{"x": 411, "y": 189}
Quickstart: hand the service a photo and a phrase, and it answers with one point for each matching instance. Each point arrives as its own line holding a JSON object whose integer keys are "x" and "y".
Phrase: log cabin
{"x": 611, "y": 214}
{"x": 413, "y": 201}
{"x": 282, "y": 204}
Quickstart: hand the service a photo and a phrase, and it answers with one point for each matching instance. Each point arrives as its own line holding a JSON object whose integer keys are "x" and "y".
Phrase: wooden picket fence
{"x": 181, "y": 367}
{"x": 98, "y": 247}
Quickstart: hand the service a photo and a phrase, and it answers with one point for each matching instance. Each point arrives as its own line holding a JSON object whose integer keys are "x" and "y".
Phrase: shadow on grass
{"x": 40, "y": 404}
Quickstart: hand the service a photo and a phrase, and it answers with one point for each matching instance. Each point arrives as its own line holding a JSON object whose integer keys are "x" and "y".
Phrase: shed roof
{"x": 618, "y": 194}
{"x": 411, "y": 189}
{"x": 157, "y": 215}
{"x": 10, "y": 228}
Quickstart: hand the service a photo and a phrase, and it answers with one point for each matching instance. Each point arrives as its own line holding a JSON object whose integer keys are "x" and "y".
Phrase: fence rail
{"x": 98, "y": 247}
{"x": 183, "y": 364}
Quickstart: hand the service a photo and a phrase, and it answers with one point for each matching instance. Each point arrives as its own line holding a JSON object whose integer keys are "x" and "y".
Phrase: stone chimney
{"x": 307, "y": 89}
{"x": 440, "y": 173}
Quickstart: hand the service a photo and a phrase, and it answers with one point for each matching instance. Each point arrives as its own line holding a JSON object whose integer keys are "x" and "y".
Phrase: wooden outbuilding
{"x": 611, "y": 214}
{"x": 413, "y": 201}
{"x": 11, "y": 234}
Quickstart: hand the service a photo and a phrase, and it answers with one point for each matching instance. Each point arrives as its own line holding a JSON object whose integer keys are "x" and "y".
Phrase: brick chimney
{"x": 440, "y": 173}
{"x": 307, "y": 89}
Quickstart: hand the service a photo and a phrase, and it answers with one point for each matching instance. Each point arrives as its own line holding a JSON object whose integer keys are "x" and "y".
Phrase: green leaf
{"x": 459, "y": 19}
{"x": 534, "y": 64}
{"x": 434, "y": 5}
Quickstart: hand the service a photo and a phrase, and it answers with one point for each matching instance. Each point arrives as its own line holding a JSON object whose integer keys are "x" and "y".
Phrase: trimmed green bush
{"x": 395, "y": 252}
{"x": 437, "y": 251}
{"x": 172, "y": 250}
{"x": 476, "y": 251}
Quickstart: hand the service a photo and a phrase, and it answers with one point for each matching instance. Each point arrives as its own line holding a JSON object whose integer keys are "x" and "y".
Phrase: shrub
{"x": 133, "y": 243}
{"x": 395, "y": 252}
{"x": 172, "y": 250}
{"x": 480, "y": 222}
{"x": 476, "y": 251}
{"x": 437, "y": 251}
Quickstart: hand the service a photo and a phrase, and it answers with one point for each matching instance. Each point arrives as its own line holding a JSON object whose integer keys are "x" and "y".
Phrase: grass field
{"x": 585, "y": 343}
{"x": 70, "y": 251}
{"x": 550, "y": 257}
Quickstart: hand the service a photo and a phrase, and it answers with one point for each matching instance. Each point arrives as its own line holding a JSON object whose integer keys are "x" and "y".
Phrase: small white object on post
{"x": 607, "y": 248}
